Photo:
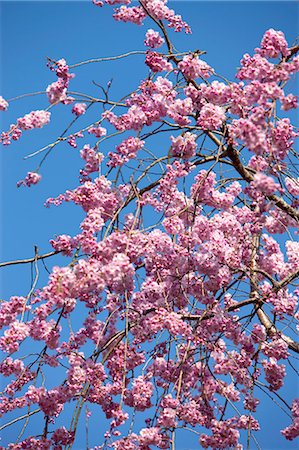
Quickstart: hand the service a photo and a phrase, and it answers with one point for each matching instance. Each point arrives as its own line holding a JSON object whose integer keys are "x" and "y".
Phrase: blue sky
{"x": 77, "y": 31}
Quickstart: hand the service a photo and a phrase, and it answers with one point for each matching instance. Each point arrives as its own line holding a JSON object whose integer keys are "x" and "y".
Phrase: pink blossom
{"x": 292, "y": 185}
{"x": 156, "y": 62}
{"x": 97, "y": 131}
{"x": 167, "y": 418}
{"x": 283, "y": 302}
{"x": 258, "y": 333}
{"x": 35, "y": 119}
{"x": 15, "y": 334}
{"x": 193, "y": 67}
{"x": 161, "y": 281}
{"x": 62, "y": 70}
{"x": 153, "y": 39}
{"x": 115, "y": 2}
{"x": 211, "y": 117}
{"x": 92, "y": 160}
{"x": 248, "y": 422}
{"x": 62, "y": 436}
{"x": 93, "y": 221}
{"x": 72, "y": 140}
{"x": 251, "y": 133}
{"x": 184, "y": 146}
{"x": 125, "y": 151}
{"x": 264, "y": 184}
{"x": 258, "y": 163}
{"x": 251, "y": 403}
{"x": 282, "y": 138}
{"x": 9, "y": 310}
{"x": 31, "y": 178}
{"x": 292, "y": 249}
{"x": 292, "y": 431}
{"x": 150, "y": 436}
{"x": 64, "y": 244}
{"x": 10, "y": 366}
{"x": 257, "y": 68}
{"x": 160, "y": 10}
{"x": 119, "y": 274}
{"x": 3, "y": 104}
{"x": 140, "y": 395}
{"x": 191, "y": 412}
{"x": 277, "y": 349}
{"x": 224, "y": 435}
{"x": 273, "y": 44}
{"x": 217, "y": 93}
{"x": 56, "y": 91}
{"x": 14, "y": 133}
{"x": 124, "y": 444}
{"x": 79, "y": 109}
{"x": 179, "y": 110}
{"x": 52, "y": 401}
{"x": 289, "y": 102}
{"x": 31, "y": 443}
{"x": 134, "y": 14}
{"x": 274, "y": 373}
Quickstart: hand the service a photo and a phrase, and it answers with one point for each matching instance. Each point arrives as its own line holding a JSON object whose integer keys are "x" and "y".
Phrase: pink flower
{"x": 289, "y": 102}
{"x": 92, "y": 160}
{"x": 256, "y": 68}
{"x": 292, "y": 431}
{"x": 264, "y": 184}
{"x": 167, "y": 418}
{"x": 292, "y": 248}
{"x": 119, "y": 274}
{"x": 244, "y": 422}
{"x": 62, "y": 436}
{"x": 134, "y": 14}
{"x": 153, "y": 39}
{"x": 273, "y": 44}
{"x": 184, "y": 146}
{"x": 224, "y": 435}
{"x": 97, "y": 131}
{"x": 277, "y": 349}
{"x": 193, "y": 67}
{"x": 125, "y": 151}
{"x": 274, "y": 373}
{"x": 160, "y": 10}
{"x": 72, "y": 140}
{"x": 211, "y": 117}
{"x": 179, "y": 109}
{"x": 56, "y": 91}
{"x": 3, "y": 104}
{"x": 31, "y": 178}
{"x": 93, "y": 221}
{"x": 282, "y": 138}
{"x": 35, "y": 119}
{"x": 10, "y": 309}
{"x": 251, "y": 403}
{"x": 140, "y": 395}
{"x": 156, "y": 62}
{"x": 79, "y": 109}
{"x": 62, "y": 70}
{"x": 64, "y": 244}
{"x": 16, "y": 333}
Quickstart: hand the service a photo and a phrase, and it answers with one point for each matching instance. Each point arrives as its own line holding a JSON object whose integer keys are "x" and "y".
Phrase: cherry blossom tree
{"x": 181, "y": 282}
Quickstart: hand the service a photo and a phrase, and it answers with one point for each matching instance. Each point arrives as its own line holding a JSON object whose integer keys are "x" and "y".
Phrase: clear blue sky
{"x": 77, "y": 31}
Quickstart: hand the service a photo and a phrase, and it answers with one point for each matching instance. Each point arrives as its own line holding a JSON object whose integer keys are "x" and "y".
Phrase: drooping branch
{"x": 246, "y": 175}
{"x": 29, "y": 260}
